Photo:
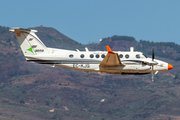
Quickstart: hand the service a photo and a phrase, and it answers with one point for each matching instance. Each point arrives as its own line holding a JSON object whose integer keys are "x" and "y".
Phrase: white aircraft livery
{"x": 111, "y": 62}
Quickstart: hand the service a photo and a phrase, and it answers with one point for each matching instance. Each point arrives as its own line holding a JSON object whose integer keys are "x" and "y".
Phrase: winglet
{"x": 109, "y": 49}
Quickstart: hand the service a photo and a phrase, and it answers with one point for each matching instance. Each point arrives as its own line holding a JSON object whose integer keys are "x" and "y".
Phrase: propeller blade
{"x": 152, "y": 64}
{"x": 153, "y": 54}
{"x": 152, "y": 74}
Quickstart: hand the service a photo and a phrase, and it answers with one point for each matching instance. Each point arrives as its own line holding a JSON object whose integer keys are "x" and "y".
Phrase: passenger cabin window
{"x": 91, "y": 56}
{"x": 97, "y": 56}
{"x": 103, "y": 56}
{"x": 137, "y": 56}
{"x": 71, "y": 55}
{"x": 121, "y": 56}
{"x": 82, "y": 56}
{"x": 126, "y": 56}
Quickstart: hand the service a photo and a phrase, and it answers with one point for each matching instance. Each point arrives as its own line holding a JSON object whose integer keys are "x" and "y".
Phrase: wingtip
{"x": 109, "y": 49}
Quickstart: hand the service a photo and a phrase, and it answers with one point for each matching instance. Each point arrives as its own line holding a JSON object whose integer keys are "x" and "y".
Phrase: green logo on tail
{"x": 30, "y": 49}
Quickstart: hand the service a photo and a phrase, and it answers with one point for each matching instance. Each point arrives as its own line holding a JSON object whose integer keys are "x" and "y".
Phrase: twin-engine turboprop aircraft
{"x": 117, "y": 62}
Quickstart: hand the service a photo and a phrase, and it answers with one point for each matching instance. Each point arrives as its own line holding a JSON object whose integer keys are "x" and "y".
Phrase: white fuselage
{"x": 89, "y": 61}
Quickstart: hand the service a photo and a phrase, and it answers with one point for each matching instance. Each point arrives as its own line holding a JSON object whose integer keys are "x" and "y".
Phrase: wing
{"x": 111, "y": 59}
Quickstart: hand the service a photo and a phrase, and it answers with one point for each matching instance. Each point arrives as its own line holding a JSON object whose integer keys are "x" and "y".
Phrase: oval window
{"x": 71, "y": 55}
{"x": 103, "y": 56}
{"x": 97, "y": 56}
{"x": 127, "y": 56}
{"x": 121, "y": 56}
{"x": 91, "y": 56}
{"x": 82, "y": 56}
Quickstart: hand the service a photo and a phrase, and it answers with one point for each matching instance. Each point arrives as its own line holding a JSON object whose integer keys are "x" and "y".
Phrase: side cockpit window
{"x": 138, "y": 56}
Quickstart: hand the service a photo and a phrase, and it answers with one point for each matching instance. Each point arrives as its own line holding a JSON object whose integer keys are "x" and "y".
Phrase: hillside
{"x": 28, "y": 91}
{"x": 53, "y": 38}
{"x": 123, "y": 43}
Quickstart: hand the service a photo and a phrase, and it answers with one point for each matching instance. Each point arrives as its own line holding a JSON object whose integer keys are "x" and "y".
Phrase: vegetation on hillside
{"x": 117, "y": 38}
{"x": 3, "y": 29}
{"x": 28, "y": 91}
{"x": 163, "y": 49}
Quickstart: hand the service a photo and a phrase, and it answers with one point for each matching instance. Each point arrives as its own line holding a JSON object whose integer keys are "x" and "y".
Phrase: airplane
{"x": 110, "y": 62}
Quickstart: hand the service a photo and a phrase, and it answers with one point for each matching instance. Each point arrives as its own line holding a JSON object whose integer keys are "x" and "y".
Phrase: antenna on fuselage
{"x": 131, "y": 49}
{"x": 77, "y": 50}
{"x": 86, "y": 49}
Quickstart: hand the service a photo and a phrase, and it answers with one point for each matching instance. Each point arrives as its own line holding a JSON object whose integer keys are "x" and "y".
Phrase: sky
{"x": 87, "y": 21}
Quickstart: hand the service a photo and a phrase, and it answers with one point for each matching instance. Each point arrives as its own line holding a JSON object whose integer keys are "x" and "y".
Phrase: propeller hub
{"x": 170, "y": 66}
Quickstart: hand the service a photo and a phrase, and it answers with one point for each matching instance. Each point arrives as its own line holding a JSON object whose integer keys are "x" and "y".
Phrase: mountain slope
{"x": 53, "y": 38}
{"x": 29, "y": 91}
{"x": 123, "y": 43}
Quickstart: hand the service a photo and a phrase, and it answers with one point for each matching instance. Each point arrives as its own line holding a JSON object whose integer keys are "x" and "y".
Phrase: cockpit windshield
{"x": 140, "y": 56}
{"x": 144, "y": 55}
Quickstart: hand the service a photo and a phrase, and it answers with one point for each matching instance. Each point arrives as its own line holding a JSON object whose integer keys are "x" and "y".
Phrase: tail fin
{"x": 30, "y": 44}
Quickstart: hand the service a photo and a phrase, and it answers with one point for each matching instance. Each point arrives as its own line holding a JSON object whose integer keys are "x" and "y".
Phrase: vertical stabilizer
{"x": 29, "y": 42}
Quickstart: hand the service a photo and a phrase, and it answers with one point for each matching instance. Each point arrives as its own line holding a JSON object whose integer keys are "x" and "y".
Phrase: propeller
{"x": 152, "y": 65}
{"x": 153, "y": 54}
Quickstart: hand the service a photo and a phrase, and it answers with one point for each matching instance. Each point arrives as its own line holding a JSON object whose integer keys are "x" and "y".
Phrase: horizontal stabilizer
{"x": 15, "y": 30}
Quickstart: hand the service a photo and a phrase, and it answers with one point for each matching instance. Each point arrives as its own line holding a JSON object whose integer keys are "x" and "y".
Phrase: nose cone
{"x": 170, "y": 66}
